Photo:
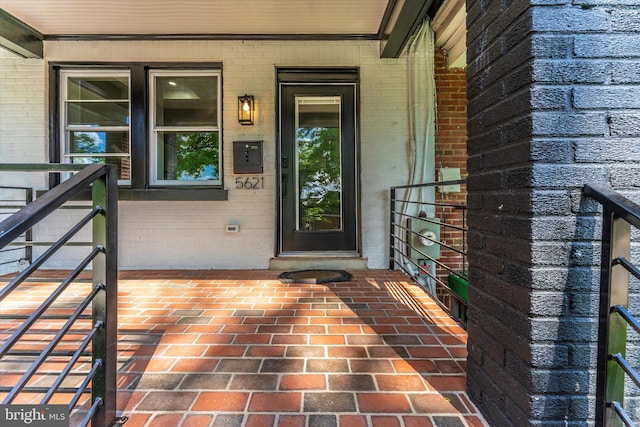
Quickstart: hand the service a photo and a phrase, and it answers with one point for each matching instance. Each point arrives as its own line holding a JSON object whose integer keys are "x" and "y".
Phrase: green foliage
{"x": 85, "y": 142}
{"x": 319, "y": 175}
{"x": 197, "y": 155}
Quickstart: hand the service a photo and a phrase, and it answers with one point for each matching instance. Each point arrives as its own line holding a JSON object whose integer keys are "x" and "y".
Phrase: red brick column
{"x": 450, "y": 152}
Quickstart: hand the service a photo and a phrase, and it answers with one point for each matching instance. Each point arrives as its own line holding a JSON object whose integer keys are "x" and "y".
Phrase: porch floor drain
{"x": 315, "y": 276}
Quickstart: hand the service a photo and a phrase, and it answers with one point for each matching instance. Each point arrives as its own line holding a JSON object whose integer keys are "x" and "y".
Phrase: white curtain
{"x": 422, "y": 121}
{"x": 422, "y": 112}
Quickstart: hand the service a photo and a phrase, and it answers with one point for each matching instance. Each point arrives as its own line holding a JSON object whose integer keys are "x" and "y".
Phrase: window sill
{"x": 166, "y": 194}
{"x": 174, "y": 194}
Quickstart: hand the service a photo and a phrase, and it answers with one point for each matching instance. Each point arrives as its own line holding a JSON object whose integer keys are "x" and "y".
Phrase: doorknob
{"x": 285, "y": 162}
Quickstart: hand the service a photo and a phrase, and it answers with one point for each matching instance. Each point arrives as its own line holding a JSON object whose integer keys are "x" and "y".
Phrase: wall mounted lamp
{"x": 245, "y": 109}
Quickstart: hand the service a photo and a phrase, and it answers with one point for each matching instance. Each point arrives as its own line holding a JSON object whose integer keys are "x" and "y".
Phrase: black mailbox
{"x": 247, "y": 157}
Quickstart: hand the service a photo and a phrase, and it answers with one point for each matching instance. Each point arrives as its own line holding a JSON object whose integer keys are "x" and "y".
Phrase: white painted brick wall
{"x": 22, "y": 116}
{"x": 22, "y": 130}
{"x": 191, "y": 234}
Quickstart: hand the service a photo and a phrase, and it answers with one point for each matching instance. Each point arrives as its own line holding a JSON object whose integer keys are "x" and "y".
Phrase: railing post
{"x": 392, "y": 242}
{"x": 105, "y": 271}
{"x": 614, "y": 290}
{"x": 28, "y": 250}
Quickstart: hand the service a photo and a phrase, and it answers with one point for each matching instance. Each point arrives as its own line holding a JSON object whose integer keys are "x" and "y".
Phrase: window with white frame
{"x": 160, "y": 124}
{"x": 184, "y": 127}
{"x": 95, "y": 114}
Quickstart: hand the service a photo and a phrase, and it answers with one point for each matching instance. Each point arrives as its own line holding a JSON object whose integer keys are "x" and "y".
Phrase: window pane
{"x": 123, "y": 165}
{"x": 188, "y": 156}
{"x": 186, "y": 101}
{"x": 99, "y": 142}
{"x": 319, "y": 175}
{"x": 98, "y": 114}
{"x": 97, "y": 88}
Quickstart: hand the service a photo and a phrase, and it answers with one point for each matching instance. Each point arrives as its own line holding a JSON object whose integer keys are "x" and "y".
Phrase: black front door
{"x": 318, "y": 168}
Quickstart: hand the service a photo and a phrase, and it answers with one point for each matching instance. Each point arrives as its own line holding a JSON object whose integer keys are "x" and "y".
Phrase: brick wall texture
{"x": 552, "y": 105}
{"x": 450, "y": 152}
{"x": 22, "y": 112}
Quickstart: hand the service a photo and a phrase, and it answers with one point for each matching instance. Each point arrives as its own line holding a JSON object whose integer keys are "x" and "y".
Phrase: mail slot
{"x": 247, "y": 157}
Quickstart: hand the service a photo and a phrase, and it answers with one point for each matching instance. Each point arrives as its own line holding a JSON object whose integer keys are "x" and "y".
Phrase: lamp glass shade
{"x": 245, "y": 109}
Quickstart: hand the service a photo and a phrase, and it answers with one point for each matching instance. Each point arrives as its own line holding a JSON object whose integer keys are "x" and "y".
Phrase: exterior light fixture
{"x": 245, "y": 109}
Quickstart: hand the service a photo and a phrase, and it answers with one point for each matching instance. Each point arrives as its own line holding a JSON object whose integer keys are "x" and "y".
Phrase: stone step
{"x": 302, "y": 262}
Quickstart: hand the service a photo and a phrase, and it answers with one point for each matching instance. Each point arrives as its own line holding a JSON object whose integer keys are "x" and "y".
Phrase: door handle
{"x": 284, "y": 164}
{"x": 284, "y": 184}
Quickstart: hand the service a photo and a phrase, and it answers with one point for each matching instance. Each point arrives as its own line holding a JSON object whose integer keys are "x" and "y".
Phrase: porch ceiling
{"x": 171, "y": 17}
{"x": 25, "y": 23}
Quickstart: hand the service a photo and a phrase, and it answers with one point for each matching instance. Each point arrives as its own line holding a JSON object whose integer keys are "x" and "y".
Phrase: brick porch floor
{"x": 239, "y": 348}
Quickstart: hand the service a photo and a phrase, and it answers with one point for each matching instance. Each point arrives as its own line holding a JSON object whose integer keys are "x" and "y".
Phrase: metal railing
{"x": 432, "y": 249}
{"x": 613, "y": 370}
{"x": 20, "y": 254}
{"x": 72, "y": 342}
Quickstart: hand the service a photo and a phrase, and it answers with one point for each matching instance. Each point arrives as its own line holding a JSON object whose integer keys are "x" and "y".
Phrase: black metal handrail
{"x": 100, "y": 381}
{"x": 410, "y": 248}
{"x": 618, "y": 216}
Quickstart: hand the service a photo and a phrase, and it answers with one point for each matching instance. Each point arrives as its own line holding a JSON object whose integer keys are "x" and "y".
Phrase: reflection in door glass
{"x": 319, "y": 176}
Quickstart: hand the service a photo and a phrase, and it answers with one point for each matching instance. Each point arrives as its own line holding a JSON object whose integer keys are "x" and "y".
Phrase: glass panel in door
{"x": 318, "y": 164}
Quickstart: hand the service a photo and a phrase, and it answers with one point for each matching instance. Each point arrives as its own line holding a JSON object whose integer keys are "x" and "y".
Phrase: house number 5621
{"x": 250, "y": 182}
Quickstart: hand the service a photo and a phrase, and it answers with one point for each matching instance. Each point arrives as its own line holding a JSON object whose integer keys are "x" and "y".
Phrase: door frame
{"x": 345, "y": 76}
